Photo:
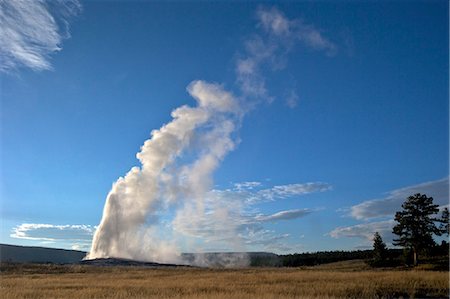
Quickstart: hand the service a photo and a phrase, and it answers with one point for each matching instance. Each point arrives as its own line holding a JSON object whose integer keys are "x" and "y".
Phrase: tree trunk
{"x": 415, "y": 256}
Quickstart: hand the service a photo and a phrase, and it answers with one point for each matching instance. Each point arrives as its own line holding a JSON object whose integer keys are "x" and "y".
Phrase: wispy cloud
{"x": 388, "y": 205}
{"x": 246, "y": 185}
{"x": 222, "y": 223}
{"x": 254, "y": 193}
{"x": 258, "y": 238}
{"x": 277, "y": 36}
{"x": 277, "y": 24}
{"x": 285, "y": 191}
{"x": 231, "y": 217}
{"x": 283, "y": 215}
{"x": 79, "y": 236}
{"x": 33, "y": 30}
{"x": 365, "y": 231}
{"x": 273, "y": 21}
{"x": 292, "y": 99}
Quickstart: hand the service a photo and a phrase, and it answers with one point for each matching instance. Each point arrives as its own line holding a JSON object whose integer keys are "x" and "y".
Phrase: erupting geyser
{"x": 167, "y": 179}
{"x": 160, "y": 206}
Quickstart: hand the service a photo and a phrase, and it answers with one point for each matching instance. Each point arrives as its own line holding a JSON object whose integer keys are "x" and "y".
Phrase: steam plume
{"x": 128, "y": 228}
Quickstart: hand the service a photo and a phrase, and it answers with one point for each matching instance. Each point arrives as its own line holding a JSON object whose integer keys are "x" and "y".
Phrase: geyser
{"x": 167, "y": 202}
{"x": 168, "y": 180}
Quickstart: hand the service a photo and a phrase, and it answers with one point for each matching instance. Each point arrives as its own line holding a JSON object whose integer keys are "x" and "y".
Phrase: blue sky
{"x": 343, "y": 114}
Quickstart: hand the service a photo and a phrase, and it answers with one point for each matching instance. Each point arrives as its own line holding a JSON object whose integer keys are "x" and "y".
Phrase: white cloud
{"x": 290, "y": 190}
{"x": 365, "y": 231}
{"x": 251, "y": 82}
{"x": 278, "y": 35}
{"x": 283, "y": 215}
{"x": 312, "y": 37}
{"x": 252, "y": 193}
{"x": 277, "y": 24}
{"x": 273, "y": 21}
{"x": 246, "y": 185}
{"x": 72, "y": 235}
{"x": 32, "y": 30}
{"x": 388, "y": 205}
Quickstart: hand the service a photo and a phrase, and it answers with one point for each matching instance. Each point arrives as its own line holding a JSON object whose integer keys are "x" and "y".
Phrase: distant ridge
{"x": 35, "y": 254}
{"x": 32, "y": 254}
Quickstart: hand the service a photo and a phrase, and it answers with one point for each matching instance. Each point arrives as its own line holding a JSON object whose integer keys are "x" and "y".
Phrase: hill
{"x": 31, "y": 254}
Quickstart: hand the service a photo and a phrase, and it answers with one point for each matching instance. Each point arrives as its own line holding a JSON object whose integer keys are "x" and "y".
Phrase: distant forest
{"x": 437, "y": 255}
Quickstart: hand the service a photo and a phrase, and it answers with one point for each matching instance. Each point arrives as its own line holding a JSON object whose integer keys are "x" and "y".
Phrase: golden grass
{"x": 134, "y": 282}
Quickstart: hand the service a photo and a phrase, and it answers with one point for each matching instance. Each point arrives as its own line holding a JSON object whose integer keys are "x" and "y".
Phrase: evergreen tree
{"x": 416, "y": 225}
{"x": 445, "y": 222}
{"x": 379, "y": 250}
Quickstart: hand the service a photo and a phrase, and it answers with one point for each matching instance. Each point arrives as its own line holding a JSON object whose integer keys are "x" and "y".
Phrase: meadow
{"x": 339, "y": 280}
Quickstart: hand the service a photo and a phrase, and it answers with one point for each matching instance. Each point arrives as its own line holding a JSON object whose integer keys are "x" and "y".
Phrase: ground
{"x": 352, "y": 279}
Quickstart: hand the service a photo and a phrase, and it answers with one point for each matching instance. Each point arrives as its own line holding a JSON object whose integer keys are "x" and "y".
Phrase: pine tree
{"x": 379, "y": 250}
{"x": 445, "y": 229}
{"x": 416, "y": 224}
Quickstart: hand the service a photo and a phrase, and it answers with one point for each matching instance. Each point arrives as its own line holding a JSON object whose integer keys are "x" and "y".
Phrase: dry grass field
{"x": 338, "y": 280}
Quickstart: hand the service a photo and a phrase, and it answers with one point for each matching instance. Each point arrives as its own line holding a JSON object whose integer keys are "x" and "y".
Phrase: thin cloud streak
{"x": 283, "y": 215}
{"x": 32, "y": 31}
